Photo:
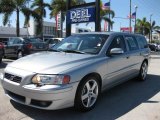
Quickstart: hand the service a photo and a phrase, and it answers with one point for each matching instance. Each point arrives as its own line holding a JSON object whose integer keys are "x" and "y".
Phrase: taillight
{"x": 1, "y": 46}
{"x": 29, "y": 46}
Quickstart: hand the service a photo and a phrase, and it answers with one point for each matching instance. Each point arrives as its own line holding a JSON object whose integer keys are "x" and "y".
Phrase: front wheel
{"x": 87, "y": 94}
{"x": 20, "y": 54}
{"x": 143, "y": 71}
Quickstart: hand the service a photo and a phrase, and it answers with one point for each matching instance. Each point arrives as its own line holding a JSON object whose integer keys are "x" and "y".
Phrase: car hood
{"x": 51, "y": 62}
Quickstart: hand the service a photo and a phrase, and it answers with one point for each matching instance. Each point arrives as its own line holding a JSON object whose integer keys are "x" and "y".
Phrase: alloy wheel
{"x": 144, "y": 70}
{"x": 90, "y": 93}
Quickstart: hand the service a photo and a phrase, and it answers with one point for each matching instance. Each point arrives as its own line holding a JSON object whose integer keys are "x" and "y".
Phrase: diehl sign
{"x": 81, "y": 15}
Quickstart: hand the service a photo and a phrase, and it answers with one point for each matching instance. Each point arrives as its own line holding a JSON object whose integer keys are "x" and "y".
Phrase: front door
{"x": 118, "y": 65}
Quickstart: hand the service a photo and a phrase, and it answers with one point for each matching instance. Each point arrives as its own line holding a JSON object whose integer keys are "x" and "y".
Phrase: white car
{"x": 53, "y": 41}
{"x": 77, "y": 70}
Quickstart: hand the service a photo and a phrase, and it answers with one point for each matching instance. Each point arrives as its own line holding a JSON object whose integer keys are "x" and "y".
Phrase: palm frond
{"x": 6, "y": 18}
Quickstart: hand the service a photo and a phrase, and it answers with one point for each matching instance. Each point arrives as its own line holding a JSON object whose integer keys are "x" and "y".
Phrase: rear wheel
{"x": 143, "y": 71}
{"x": 87, "y": 94}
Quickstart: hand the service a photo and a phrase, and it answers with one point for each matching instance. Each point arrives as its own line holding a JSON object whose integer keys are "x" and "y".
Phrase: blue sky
{"x": 121, "y": 8}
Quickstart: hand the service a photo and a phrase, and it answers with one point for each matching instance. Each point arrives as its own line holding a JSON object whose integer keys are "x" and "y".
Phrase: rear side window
{"x": 17, "y": 41}
{"x": 142, "y": 42}
{"x": 132, "y": 43}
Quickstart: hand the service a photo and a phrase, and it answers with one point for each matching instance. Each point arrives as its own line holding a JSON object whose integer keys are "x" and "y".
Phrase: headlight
{"x": 50, "y": 79}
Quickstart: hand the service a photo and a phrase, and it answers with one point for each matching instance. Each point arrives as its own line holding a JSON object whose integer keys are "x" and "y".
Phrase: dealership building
{"x": 49, "y": 30}
{"x": 11, "y": 32}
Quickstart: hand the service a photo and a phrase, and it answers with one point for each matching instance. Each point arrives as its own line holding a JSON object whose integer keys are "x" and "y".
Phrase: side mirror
{"x": 116, "y": 51}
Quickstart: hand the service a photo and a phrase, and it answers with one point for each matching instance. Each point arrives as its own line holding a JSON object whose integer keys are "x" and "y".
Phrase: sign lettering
{"x": 81, "y": 15}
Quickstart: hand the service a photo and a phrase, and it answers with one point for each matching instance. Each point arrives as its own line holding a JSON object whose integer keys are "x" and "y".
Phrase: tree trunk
{"x": 42, "y": 15}
{"x": 17, "y": 24}
{"x": 42, "y": 28}
{"x": 151, "y": 35}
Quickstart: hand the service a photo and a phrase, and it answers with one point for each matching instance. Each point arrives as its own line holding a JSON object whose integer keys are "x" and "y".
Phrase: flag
{"x": 133, "y": 16}
{"x": 106, "y": 6}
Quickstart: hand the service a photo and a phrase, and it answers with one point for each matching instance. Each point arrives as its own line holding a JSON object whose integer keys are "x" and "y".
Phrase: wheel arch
{"x": 145, "y": 60}
{"x": 97, "y": 75}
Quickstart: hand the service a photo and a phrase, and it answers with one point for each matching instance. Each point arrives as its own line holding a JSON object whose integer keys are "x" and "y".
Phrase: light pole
{"x": 135, "y": 18}
{"x": 109, "y": 26}
{"x": 151, "y": 27}
{"x": 130, "y": 21}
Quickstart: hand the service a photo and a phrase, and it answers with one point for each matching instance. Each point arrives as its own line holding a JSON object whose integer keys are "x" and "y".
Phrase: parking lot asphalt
{"x": 132, "y": 100}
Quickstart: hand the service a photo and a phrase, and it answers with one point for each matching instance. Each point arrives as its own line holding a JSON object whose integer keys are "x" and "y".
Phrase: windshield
{"x": 91, "y": 44}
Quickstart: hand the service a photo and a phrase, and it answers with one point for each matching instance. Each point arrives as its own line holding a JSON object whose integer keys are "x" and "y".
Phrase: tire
{"x": 87, "y": 94}
{"x": 143, "y": 71}
{"x": 19, "y": 54}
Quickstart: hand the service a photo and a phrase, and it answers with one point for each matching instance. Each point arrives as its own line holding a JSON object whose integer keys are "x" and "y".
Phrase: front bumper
{"x": 49, "y": 97}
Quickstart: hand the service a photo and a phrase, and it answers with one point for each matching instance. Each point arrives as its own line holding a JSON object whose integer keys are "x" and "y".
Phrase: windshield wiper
{"x": 53, "y": 50}
{"x": 73, "y": 51}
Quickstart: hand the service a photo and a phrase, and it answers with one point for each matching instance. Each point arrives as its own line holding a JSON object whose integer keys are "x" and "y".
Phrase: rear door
{"x": 17, "y": 45}
{"x": 134, "y": 54}
{"x": 13, "y": 46}
{"x": 144, "y": 49}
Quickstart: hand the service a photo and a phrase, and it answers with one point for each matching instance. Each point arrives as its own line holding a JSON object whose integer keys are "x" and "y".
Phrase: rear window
{"x": 32, "y": 40}
{"x": 142, "y": 42}
{"x": 132, "y": 43}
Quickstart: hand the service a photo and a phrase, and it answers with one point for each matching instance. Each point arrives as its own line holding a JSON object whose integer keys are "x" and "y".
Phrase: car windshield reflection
{"x": 91, "y": 44}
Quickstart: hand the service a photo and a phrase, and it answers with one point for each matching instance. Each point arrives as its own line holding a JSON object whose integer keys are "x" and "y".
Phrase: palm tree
{"x": 143, "y": 26}
{"x": 105, "y": 15}
{"x": 38, "y": 7}
{"x": 7, "y": 7}
{"x": 60, "y": 6}
{"x": 153, "y": 27}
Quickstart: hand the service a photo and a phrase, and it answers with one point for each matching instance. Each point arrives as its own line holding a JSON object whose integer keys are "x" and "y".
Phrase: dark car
{"x": 19, "y": 47}
{"x": 153, "y": 47}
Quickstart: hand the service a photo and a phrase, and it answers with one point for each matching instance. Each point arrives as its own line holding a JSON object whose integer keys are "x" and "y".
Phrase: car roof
{"x": 108, "y": 33}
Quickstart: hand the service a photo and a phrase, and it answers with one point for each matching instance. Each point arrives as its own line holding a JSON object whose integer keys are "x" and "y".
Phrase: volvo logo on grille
{"x": 12, "y": 77}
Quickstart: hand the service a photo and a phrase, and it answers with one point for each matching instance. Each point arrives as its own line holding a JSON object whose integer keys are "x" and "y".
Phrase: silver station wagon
{"x": 77, "y": 70}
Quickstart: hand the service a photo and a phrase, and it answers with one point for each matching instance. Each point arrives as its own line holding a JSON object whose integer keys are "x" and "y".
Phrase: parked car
{"x": 53, "y": 41}
{"x": 19, "y": 47}
{"x": 153, "y": 47}
{"x": 68, "y": 76}
{"x": 1, "y": 51}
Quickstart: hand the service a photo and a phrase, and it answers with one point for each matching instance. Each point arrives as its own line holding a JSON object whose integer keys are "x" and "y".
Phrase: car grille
{"x": 12, "y": 78}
